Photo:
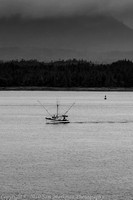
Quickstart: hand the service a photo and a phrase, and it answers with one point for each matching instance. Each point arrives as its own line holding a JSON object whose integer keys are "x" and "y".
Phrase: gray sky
{"x": 121, "y": 9}
{"x": 45, "y": 33}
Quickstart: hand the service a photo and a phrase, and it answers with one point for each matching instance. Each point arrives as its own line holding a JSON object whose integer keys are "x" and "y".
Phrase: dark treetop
{"x": 66, "y": 74}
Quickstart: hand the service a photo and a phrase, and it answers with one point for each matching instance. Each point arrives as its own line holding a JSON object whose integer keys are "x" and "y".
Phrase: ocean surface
{"x": 91, "y": 158}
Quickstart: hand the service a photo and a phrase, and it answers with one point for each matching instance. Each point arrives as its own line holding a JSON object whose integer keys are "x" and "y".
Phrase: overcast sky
{"x": 121, "y": 9}
{"x": 85, "y": 35}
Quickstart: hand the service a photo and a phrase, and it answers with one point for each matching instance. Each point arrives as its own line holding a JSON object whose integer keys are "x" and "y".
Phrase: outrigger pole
{"x": 44, "y": 107}
{"x": 69, "y": 108}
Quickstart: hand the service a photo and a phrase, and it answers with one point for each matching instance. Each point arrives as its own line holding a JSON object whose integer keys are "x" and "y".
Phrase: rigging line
{"x": 69, "y": 108}
{"x": 44, "y": 107}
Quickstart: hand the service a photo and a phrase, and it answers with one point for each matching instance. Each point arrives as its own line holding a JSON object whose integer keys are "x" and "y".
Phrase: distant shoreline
{"x": 65, "y": 89}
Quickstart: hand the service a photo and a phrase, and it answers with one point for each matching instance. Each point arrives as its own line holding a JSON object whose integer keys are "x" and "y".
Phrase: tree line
{"x": 69, "y": 73}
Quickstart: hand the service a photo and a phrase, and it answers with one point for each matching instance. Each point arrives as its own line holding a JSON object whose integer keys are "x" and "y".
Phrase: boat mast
{"x": 57, "y": 108}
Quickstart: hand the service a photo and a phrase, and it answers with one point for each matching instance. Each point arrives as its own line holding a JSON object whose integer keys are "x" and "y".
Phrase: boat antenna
{"x": 44, "y": 107}
{"x": 69, "y": 108}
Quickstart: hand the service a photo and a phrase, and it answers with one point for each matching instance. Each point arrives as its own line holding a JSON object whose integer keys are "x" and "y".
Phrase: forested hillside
{"x": 70, "y": 73}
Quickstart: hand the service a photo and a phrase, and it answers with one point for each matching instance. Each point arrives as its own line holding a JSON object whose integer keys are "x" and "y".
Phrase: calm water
{"x": 90, "y": 157}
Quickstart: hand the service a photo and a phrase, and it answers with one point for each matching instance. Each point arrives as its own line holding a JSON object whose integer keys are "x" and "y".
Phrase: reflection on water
{"x": 91, "y": 156}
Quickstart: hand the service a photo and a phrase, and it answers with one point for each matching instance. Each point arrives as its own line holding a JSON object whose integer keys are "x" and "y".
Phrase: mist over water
{"x": 91, "y": 156}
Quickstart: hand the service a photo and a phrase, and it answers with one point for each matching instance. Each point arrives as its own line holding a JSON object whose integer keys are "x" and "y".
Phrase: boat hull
{"x": 50, "y": 121}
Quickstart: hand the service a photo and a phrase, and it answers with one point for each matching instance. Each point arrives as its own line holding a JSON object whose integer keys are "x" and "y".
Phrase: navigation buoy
{"x": 105, "y": 98}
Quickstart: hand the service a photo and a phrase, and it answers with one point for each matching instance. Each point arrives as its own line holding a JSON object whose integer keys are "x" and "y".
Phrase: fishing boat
{"x": 57, "y": 118}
